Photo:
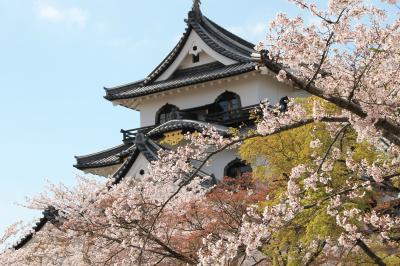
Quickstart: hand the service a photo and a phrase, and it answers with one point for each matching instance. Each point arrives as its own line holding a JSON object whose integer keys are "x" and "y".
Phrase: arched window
{"x": 166, "y": 113}
{"x": 228, "y": 101}
{"x": 237, "y": 168}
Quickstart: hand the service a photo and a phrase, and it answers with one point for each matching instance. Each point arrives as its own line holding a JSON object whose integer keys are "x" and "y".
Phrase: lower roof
{"x": 109, "y": 157}
{"x": 119, "y": 154}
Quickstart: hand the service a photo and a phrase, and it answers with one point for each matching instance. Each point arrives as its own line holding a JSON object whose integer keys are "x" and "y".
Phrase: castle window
{"x": 228, "y": 101}
{"x": 195, "y": 58}
{"x": 236, "y": 169}
{"x": 226, "y": 106}
{"x": 166, "y": 113}
{"x": 195, "y": 55}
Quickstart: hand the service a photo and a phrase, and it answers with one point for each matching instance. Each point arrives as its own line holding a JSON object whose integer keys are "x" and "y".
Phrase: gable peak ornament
{"x": 196, "y": 6}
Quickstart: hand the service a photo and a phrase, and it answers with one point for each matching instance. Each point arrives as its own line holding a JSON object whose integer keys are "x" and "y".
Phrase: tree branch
{"x": 390, "y": 129}
{"x": 370, "y": 253}
{"x": 212, "y": 154}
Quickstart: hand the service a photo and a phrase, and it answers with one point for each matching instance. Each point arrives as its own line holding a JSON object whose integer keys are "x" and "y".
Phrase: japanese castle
{"x": 211, "y": 77}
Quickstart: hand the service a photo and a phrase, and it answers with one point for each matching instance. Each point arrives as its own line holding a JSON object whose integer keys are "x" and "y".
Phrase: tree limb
{"x": 370, "y": 253}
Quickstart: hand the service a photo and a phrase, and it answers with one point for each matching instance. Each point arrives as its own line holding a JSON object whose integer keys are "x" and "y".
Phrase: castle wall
{"x": 216, "y": 167}
{"x": 141, "y": 163}
{"x": 219, "y": 162}
{"x": 251, "y": 87}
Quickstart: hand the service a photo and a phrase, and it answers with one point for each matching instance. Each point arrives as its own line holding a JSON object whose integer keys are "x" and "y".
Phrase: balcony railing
{"x": 187, "y": 115}
{"x": 130, "y": 135}
{"x": 231, "y": 117}
{"x": 228, "y": 118}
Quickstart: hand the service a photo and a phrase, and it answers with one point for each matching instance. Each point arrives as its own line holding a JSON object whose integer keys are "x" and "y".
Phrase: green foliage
{"x": 272, "y": 159}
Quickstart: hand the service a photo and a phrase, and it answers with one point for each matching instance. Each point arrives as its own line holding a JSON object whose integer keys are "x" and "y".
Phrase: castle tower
{"x": 209, "y": 77}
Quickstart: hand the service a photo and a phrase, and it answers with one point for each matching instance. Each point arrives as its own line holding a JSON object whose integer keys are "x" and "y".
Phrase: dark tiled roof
{"x": 48, "y": 215}
{"x": 229, "y": 34}
{"x": 124, "y": 169}
{"x": 36, "y": 228}
{"x": 213, "y": 35}
{"x": 220, "y": 42}
{"x": 143, "y": 145}
{"x": 104, "y": 158}
{"x": 218, "y": 38}
{"x": 189, "y": 125}
{"x": 191, "y": 77}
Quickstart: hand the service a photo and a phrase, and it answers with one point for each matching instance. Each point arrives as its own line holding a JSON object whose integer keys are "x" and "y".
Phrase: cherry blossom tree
{"x": 349, "y": 61}
{"x": 349, "y": 58}
{"x": 323, "y": 158}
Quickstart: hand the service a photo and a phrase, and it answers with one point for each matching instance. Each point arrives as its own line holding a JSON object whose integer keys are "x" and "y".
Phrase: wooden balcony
{"x": 230, "y": 118}
{"x": 130, "y": 135}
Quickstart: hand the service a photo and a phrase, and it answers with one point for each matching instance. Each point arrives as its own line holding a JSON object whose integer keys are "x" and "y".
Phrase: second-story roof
{"x": 191, "y": 76}
{"x": 214, "y": 36}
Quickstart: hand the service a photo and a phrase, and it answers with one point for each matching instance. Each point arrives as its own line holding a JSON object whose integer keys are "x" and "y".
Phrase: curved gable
{"x": 183, "y": 59}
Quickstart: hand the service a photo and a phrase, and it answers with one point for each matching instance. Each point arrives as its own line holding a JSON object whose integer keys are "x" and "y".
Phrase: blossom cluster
{"x": 171, "y": 216}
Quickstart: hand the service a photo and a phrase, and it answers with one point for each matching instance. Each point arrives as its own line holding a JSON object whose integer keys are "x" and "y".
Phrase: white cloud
{"x": 73, "y": 16}
{"x": 50, "y": 13}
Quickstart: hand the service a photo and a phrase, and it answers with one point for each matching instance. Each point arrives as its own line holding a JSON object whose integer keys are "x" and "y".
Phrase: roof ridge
{"x": 229, "y": 34}
{"x": 38, "y": 225}
{"x": 233, "y": 37}
{"x": 219, "y": 45}
{"x": 137, "y": 82}
{"x": 109, "y": 150}
{"x": 182, "y": 81}
{"x": 170, "y": 57}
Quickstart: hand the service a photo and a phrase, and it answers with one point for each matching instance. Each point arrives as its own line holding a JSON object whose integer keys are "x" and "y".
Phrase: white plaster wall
{"x": 219, "y": 162}
{"x": 273, "y": 90}
{"x": 204, "y": 59}
{"x": 252, "y": 89}
{"x": 140, "y": 163}
{"x": 194, "y": 39}
{"x": 216, "y": 167}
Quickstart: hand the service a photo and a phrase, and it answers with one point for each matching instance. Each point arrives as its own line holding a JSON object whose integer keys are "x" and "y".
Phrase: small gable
{"x": 204, "y": 42}
{"x": 139, "y": 167}
{"x": 196, "y": 58}
{"x": 195, "y": 53}
{"x": 206, "y": 49}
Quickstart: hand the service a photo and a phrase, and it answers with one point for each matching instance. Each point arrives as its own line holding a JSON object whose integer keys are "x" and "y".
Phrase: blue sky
{"x": 55, "y": 59}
